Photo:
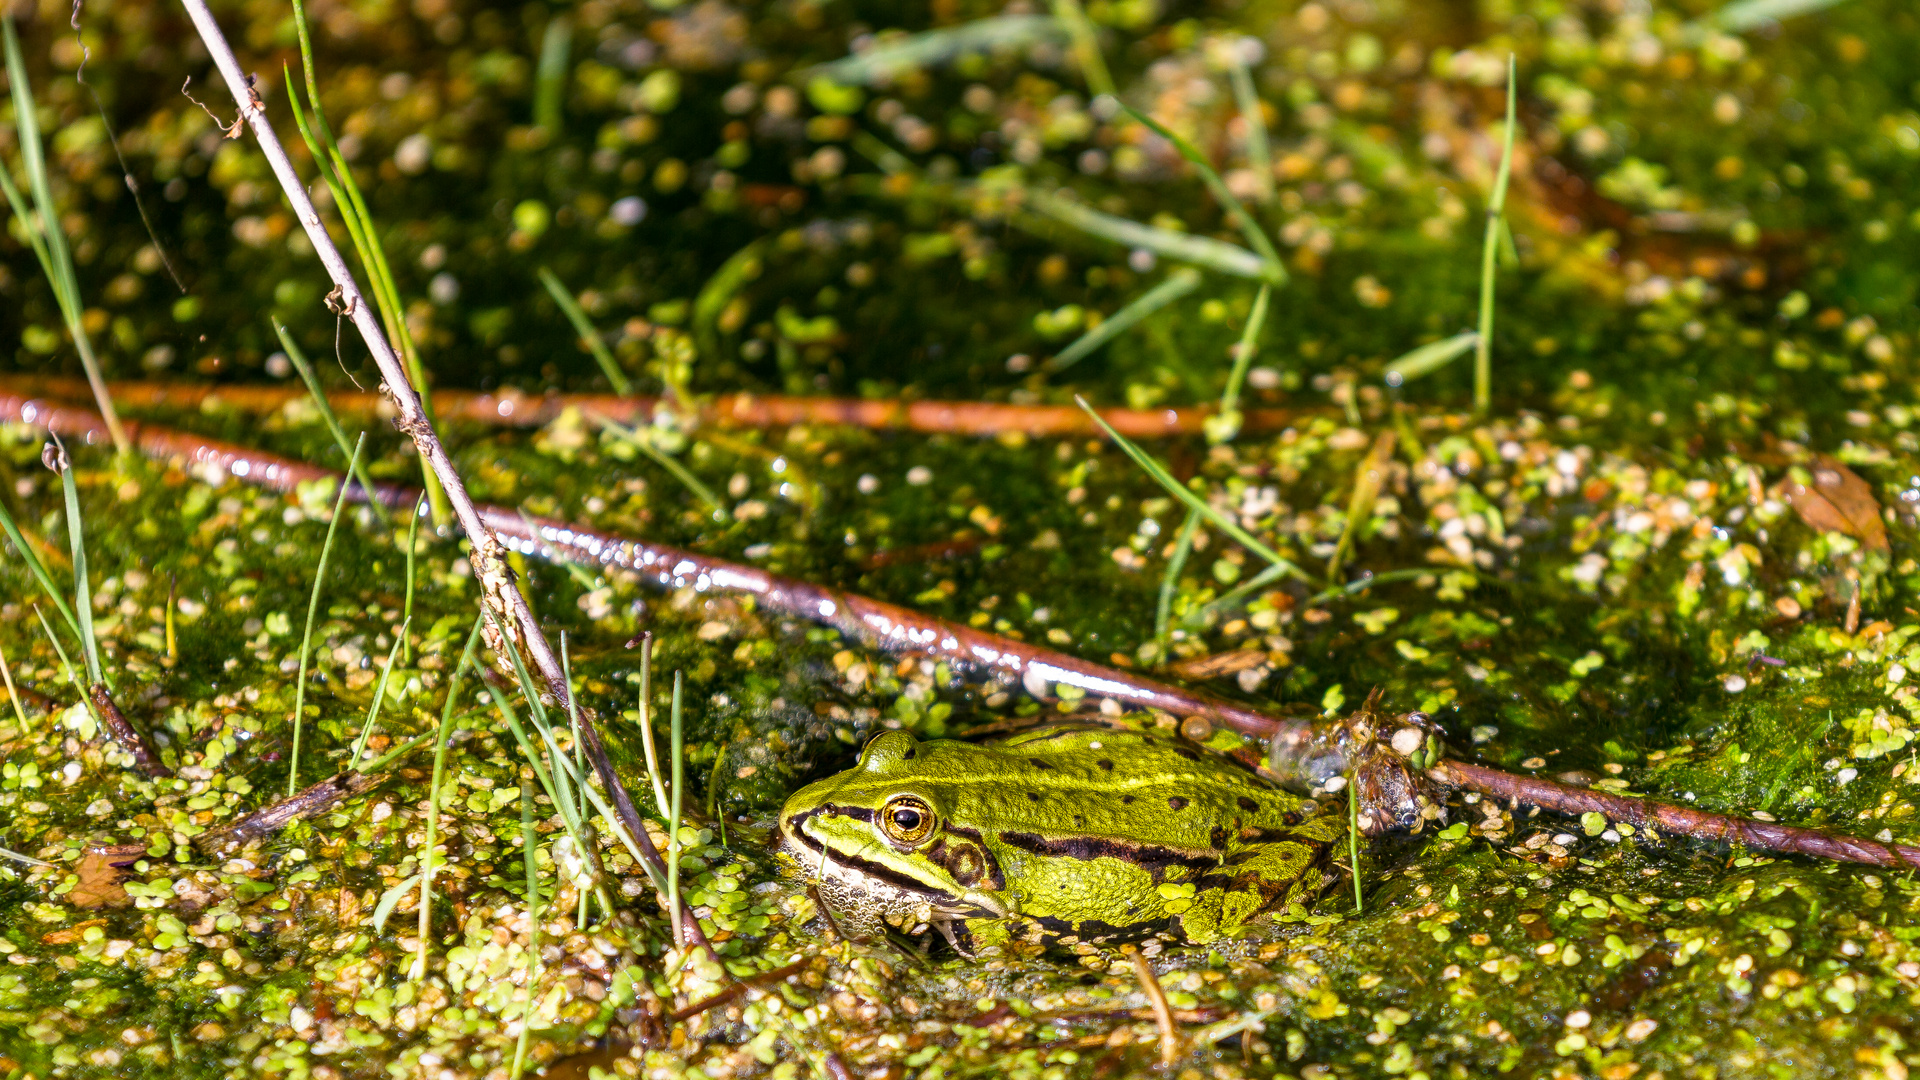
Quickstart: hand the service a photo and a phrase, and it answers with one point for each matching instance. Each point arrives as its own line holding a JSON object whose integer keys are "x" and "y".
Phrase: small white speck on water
{"x": 1735, "y": 683}
{"x": 919, "y": 475}
{"x": 868, "y": 483}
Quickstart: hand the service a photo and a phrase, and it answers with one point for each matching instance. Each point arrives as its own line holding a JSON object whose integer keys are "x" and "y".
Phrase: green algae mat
{"x": 1670, "y": 554}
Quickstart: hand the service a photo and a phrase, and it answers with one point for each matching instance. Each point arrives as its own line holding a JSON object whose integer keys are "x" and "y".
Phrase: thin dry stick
{"x": 510, "y": 408}
{"x": 512, "y": 620}
{"x": 899, "y": 629}
{"x": 13, "y": 695}
{"x": 1156, "y": 997}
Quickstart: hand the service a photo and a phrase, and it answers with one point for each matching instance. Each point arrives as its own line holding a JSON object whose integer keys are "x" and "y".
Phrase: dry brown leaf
{"x": 71, "y": 934}
{"x": 99, "y": 882}
{"x": 1838, "y": 500}
{"x": 1226, "y": 663}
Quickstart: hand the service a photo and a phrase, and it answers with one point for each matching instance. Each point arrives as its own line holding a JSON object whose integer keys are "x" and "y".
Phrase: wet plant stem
{"x": 413, "y": 546}
{"x": 889, "y": 626}
{"x": 13, "y": 695}
{"x": 313, "y": 611}
{"x": 379, "y": 695}
{"x": 679, "y": 747}
{"x": 1353, "y": 842}
{"x": 1170, "y": 581}
{"x": 1489, "y": 253}
{"x": 77, "y": 538}
{"x": 589, "y": 336}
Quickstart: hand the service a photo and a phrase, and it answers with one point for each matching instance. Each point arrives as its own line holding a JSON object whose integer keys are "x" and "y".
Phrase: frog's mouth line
{"x": 814, "y": 856}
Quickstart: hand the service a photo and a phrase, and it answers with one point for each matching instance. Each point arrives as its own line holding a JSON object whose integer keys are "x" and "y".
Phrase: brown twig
{"x": 306, "y": 803}
{"x": 512, "y": 409}
{"x": 1677, "y": 820}
{"x": 1310, "y": 751}
{"x": 124, "y": 733}
{"x": 751, "y": 982}
{"x": 1157, "y": 998}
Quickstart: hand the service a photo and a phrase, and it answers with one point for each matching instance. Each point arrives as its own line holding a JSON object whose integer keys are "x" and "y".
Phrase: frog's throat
{"x": 848, "y": 873}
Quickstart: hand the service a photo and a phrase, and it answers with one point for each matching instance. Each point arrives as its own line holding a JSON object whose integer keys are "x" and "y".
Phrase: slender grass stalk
{"x": 1362, "y": 585}
{"x": 173, "y": 642}
{"x": 77, "y": 537}
{"x": 56, "y": 259}
{"x": 1366, "y": 489}
{"x": 1086, "y": 47}
{"x": 1430, "y": 357}
{"x": 579, "y": 758}
{"x": 313, "y": 609}
{"x": 589, "y": 336}
{"x": 352, "y": 206}
{"x": 379, "y": 696}
{"x": 436, "y": 785}
{"x": 1261, "y": 580}
{"x": 646, "y": 727}
{"x": 931, "y": 47}
{"x": 1353, "y": 843}
{"x": 530, "y": 843}
{"x": 711, "y": 301}
{"x": 1256, "y": 236}
{"x": 1743, "y": 15}
{"x": 28, "y": 859}
{"x": 13, "y": 695}
{"x": 640, "y": 440}
{"x": 1161, "y": 476}
{"x": 1178, "y": 284}
{"x": 66, "y": 664}
{"x": 1170, "y": 581}
{"x": 1226, "y": 424}
{"x": 1203, "y": 251}
{"x": 1496, "y": 212}
{"x": 673, "y": 823}
{"x": 1259, "y": 153}
{"x": 39, "y": 570}
{"x": 312, "y": 379}
{"x": 550, "y": 77}
{"x": 413, "y": 536}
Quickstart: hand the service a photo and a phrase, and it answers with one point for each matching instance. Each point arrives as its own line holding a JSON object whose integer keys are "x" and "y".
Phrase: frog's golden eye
{"x": 906, "y": 819}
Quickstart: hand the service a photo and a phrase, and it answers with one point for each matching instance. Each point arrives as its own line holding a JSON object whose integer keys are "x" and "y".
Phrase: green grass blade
{"x": 1178, "y": 284}
{"x": 639, "y": 441}
{"x": 1170, "y": 581}
{"x": 1179, "y": 491}
{"x": 1226, "y": 424}
{"x": 1496, "y": 212}
{"x": 1259, "y": 152}
{"x": 931, "y": 47}
{"x": 308, "y": 376}
{"x": 679, "y": 746}
{"x": 550, "y": 78}
{"x": 379, "y": 696}
{"x": 741, "y": 267}
{"x": 1202, "y": 251}
{"x": 1086, "y": 47}
{"x": 413, "y": 536}
{"x": 13, "y": 695}
{"x": 1353, "y": 843}
{"x": 39, "y": 571}
{"x": 530, "y": 844}
{"x": 1256, "y": 236}
{"x": 313, "y": 609}
{"x": 588, "y": 335}
{"x": 646, "y": 728}
{"x": 82, "y": 588}
{"x": 1430, "y": 357}
{"x": 436, "y": 786}
{"x": 1744, "y": 15}
{"x": 56, "y": 259}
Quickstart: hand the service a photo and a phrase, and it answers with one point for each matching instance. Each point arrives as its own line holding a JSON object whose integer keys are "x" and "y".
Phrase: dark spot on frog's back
{"x": 1247, "y": 804}
{"x": 1105, "y": 764}
{"x": 1033, "y": 796}
{"x": 1038, "y": 764}
{"x": 1176, "y": 803}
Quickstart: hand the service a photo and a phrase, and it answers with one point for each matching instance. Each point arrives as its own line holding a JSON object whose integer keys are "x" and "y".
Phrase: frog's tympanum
{"x": 1061, "y": 834}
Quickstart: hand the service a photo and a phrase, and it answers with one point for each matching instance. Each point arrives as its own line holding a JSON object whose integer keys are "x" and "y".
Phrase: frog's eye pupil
{"x": 907, "y": 820}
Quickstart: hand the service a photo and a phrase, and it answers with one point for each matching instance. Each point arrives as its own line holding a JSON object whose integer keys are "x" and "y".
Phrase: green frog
{"x": 1063, "y": 835}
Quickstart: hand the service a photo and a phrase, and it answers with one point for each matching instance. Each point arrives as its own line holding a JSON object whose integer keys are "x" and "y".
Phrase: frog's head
{"x": 874, "y": 838}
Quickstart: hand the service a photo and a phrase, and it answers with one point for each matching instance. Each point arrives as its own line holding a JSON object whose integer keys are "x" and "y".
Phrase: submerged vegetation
{"x": 1657, "y": 538}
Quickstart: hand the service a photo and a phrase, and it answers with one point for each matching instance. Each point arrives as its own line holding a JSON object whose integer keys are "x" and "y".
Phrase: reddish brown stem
{"x": 751, "y": 982}
{"x": 308, "y": 802}
{"x": 897, "y": 629}
{"x": 513, "y": 409}
{"x": 124, "y": 733}
{"x": 1679, "y": 820}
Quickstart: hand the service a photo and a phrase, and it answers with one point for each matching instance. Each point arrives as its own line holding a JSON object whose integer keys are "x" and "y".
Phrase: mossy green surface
{"x": 1617, "y": 576}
